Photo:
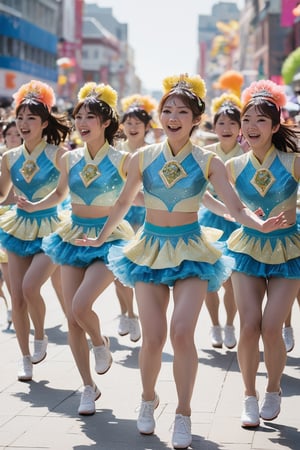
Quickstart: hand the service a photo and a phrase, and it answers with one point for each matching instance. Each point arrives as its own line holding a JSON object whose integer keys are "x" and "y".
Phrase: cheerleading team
{"x": 93, "y": 175}
{"x": 267, "y": 266}
{"x": 31, "y": 169}
{"x": 171, "y": 254}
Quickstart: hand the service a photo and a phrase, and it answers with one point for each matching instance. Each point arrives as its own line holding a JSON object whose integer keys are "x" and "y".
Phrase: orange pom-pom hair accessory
{"x": 225, "y": 101}
{"x": 195, "y": 84}
{"x": 138, "y": 101}
{"x": 35, "y": 91}
{"x": 232, "y": 81}
{"x": 99, "y": 92}
{"x": 266, "y": 89}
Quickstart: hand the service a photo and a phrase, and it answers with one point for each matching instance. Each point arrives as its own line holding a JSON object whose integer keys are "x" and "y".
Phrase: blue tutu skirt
{"x": 275, "y": 254}
{"x": 163, "y": 255}
{"x": 209, "y": 219}
{"x": 22, "y": 233}
{"x": 136, "y": 216}
{"x": 61, "y": 248}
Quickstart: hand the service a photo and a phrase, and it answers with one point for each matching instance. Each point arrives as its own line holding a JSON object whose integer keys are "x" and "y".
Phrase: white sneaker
{"x": 182, "y": 435}
{"x": 270, "y": 407}
{"x": 123, "y": 327}
{"x": 216, "y": 336}
{"x": 250, "y": 414}
{"x": 288, "y": 337}
{"x": 9, "y": 317}
{"x": 87, "y": 405}
{"x": 40, "y": 350}
{"x": 103, "y": 358}
{"x": 146, "y": 422}
{"x": 134, "y": 329}
{"x": 25, "y": 369}
{"x": 229, "y": 336}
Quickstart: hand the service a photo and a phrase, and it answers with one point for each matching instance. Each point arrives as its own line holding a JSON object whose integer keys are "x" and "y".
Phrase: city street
{"x": 42, "y": 414}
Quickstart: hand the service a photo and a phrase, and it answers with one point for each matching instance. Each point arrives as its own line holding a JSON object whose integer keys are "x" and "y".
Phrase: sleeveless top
{"x": 35, "y": 174}
{"x": 96, "y": 181}
{"x": 174, "y": 183}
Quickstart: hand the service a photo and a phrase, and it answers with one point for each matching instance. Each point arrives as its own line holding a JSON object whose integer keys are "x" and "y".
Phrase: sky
{"x": 162, "y": 33}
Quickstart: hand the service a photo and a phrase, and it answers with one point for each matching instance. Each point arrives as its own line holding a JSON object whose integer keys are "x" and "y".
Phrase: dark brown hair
{"x": 285, "y": 139}
{"x": 189, "y": 99}
{"x": 57, "y": 129}
{"x": 104, "y": 112}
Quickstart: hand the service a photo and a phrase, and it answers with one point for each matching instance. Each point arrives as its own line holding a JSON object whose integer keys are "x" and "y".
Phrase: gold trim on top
{"x": 172, "y": 172}
{"x": 89, "y": 174}
{"x": 263, "y": 180}
{"x": 29, "y": 169}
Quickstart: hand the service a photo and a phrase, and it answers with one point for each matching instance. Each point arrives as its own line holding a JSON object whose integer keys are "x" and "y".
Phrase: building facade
{"x": 28, "y": 44}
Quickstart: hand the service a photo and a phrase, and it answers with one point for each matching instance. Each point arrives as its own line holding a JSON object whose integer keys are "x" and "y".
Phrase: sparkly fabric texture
{"x": 181, "y": 187}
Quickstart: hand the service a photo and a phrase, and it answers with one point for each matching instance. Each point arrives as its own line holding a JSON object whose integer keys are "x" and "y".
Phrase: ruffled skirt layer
{"x": 275, "y": 254}
{"x": 61, "y": 248}
{"x": 22, "y": 232}
{"x": 209, "y": 219}
{"x": 163, "y": 255}
{"x": 136, "y": 216}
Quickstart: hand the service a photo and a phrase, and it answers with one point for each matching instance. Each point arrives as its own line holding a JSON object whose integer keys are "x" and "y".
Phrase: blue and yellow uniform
{"x": 207, "y": 217}
{"x": 136, "y": 214}
{"x": 34, "y": 175}
{"x": 96, "y": 182}
{"x": 163, "y": 255}
{"x": 272, "y": 186}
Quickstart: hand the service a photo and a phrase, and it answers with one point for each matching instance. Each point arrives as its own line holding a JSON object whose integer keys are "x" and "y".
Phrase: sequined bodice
{"x": 270, "y": 185}
{"x": 174, "y": 183}
{"x": 35, "y": 174}
{"x": 217, "y": 149}
{"x": 96, "y": 181}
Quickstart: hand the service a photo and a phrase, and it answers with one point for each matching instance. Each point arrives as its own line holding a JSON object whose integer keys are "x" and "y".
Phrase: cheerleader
{"x": 31, "y": 169}
{"x": 11, "y": 138}
{"x": 267, "y": 266}
{"x": 93, "y": 176}
{"x": 226, "y": 111}
{"x": 135, "y": 124}
{"x": 171, "y": 253}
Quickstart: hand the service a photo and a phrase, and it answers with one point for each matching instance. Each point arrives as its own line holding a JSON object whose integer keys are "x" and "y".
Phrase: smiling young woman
{"x": 32, "y": 170}
{"x": 267, "y": 265}
{"x": 171, "y": 254}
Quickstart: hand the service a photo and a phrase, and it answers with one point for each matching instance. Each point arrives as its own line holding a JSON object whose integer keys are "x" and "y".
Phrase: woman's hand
{"x": 88, "y": 242}
{"x": 25, "y": 204}
{"x": 274, "y": 223}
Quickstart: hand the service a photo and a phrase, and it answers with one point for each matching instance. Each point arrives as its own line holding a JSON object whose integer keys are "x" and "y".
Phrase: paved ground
{"x": 42, "y": 414}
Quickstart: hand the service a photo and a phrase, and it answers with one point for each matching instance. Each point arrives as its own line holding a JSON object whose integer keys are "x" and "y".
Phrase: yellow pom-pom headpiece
{"x": 137, "y": 101}
{"x": 265, "y": 89}
{"x": 99, "y": 92}
{"x": 225, "y": 101}
{"x": 195, "y": 84}
{"x": 35, "y": 92}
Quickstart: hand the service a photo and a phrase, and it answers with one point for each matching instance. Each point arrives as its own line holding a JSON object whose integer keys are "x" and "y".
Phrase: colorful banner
{"x": 287, "y": 16}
